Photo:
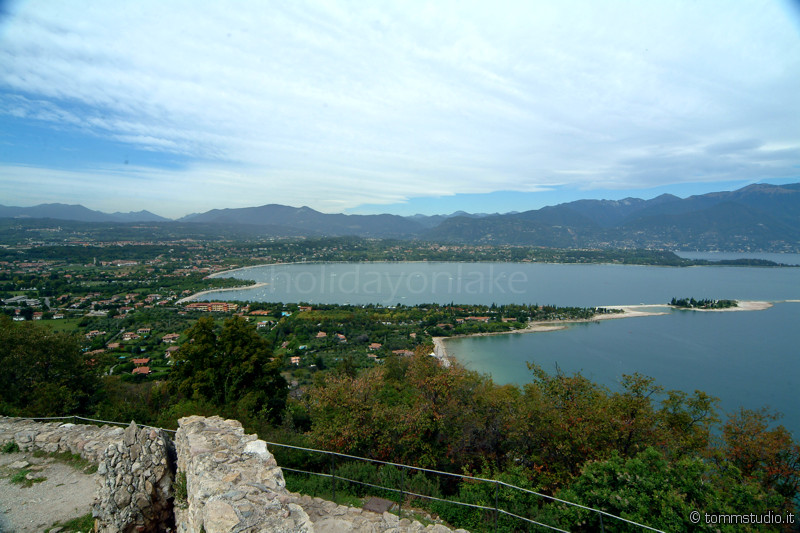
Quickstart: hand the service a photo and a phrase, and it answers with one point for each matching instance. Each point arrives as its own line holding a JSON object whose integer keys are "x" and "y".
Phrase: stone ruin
{"x": 229, "y": 481}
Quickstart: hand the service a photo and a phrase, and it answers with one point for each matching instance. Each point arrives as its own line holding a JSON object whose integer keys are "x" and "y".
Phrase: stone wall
{"x": 229, "y": 481}
{"x": 134, "y": 473}
{"x": 136, "y": 487}
{"x": 90, "y": 442}
{"x": 233, "y": 484}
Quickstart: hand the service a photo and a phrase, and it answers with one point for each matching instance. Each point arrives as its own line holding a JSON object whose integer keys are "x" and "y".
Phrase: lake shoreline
{"x": 192, "y": 297}
{"x": 628, "y": 311}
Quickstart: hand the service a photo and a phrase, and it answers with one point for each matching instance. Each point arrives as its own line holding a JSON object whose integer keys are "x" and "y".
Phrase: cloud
{"x": 318, "y": 103}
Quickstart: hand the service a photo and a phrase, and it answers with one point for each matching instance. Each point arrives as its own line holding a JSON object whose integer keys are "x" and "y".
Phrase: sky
{"x": 393, "y": 106}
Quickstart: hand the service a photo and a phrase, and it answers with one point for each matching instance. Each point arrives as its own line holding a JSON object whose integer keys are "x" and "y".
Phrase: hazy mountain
{"x": 431, "y": 221}
{"x": 312, "y": 221}
{"x": 138, "y": 216}
{"x": 757, "y": 217}
{"x": 76, "y": 212}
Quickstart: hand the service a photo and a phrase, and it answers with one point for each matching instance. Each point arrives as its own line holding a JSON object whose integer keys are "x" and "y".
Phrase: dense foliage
{"x": 231, "y": 366}
{"x": 43, "y": 373}
{"x": 703, "y": 303}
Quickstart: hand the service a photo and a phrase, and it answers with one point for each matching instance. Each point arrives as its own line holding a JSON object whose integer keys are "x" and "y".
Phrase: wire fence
{"x": 403, "y": 483}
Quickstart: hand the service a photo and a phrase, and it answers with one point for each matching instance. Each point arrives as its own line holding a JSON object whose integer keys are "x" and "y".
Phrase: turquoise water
{"x": 748, "y": 359}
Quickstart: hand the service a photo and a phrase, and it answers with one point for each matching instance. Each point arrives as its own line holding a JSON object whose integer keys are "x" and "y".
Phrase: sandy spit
{"x": 203, "y": 293}
{"x": 628, "y": 311}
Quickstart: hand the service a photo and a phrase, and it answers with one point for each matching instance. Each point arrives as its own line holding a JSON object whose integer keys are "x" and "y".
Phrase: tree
{"x": 768, "y": 457}
{"x": 44, "y": 373}
{"x": 232, "y": 367}
{"x": 650, "y": 490}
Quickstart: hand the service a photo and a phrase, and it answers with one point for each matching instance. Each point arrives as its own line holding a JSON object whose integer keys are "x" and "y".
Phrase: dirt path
{"x": 66, "y": 493}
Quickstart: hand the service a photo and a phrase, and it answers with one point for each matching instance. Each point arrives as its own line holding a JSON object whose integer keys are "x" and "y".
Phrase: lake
{"x": 745, "y": 358}
{"x": 486, "y": 283}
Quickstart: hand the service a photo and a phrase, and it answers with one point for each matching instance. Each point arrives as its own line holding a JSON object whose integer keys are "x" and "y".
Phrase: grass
{"x": 21, "y": 478}
{"x": 69, "y": 325}
{"x": 179, "y": 490}
{"x": 74, "y": 460}
{"x": 10, "y": 447}
{"x": 81, "y": 523}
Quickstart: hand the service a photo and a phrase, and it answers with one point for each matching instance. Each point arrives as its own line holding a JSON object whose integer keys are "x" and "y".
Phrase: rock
{"x": 333, "y": 525}
{"x": 259, "y": 448}
{"x": 129, "y": 437}
{"x": 122, "y": 498}
{"x": 235, "y": 477}
{"x": 219, "y": 517}
{"x": 390, "y": 518}
{"x": 19, "y": 464}
{"x": 142, "y": 501}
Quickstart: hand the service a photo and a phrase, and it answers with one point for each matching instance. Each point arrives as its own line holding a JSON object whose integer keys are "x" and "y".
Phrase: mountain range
{"x": 758, "y": 217}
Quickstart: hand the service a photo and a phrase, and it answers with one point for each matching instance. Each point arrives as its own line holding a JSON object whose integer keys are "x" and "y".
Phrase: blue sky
{"x": 404, "y": 107}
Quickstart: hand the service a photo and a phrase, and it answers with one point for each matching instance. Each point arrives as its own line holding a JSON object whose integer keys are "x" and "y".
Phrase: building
{"x": 171, "y": 350}
{"x": 170, "y": 338}
{"x": 214, "y": 307}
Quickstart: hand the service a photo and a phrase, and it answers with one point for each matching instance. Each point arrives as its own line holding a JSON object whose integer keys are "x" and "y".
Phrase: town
{"x": 128, "y": 301}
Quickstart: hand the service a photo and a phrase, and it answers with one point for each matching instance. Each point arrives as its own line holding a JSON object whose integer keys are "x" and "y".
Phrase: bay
{"x": 746, "y": 358}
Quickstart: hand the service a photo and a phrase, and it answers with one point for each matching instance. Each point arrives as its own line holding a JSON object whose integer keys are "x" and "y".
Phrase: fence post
{"x": 333, "y": 476}
{"x": 496, "y": 506}
{"x": 402, "y": 487}
{"x": 602, "y": 529}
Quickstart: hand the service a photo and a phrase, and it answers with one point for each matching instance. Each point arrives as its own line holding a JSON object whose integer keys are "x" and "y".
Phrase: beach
{"x": 203, "y": 293}
{"x": 628, "y": 311}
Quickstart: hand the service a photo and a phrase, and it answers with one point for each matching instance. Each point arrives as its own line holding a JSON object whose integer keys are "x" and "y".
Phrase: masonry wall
{"x": 230, "y": 481}
{"x": 134, "y": 472}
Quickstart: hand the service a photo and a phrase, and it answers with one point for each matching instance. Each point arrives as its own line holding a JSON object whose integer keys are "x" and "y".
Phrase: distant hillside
{"x": 313, "y": 222}
{"x": 754, "y": 218}
{"x": 77, "y": 213}
{"x": 757, "y": 217}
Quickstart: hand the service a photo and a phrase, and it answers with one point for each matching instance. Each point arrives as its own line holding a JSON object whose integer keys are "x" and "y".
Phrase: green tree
{"x": 44, "y": 373}
{"x": 650, "y": 490}
{"x": 231, "y": 367}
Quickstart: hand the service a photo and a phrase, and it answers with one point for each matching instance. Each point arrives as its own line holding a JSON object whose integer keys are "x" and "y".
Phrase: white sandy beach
{"x": 628, "y": 311}
{"x": 203, "y": 293}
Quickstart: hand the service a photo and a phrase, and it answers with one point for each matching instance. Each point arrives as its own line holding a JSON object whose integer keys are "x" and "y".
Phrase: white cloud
{"x": 323, "y": 104}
